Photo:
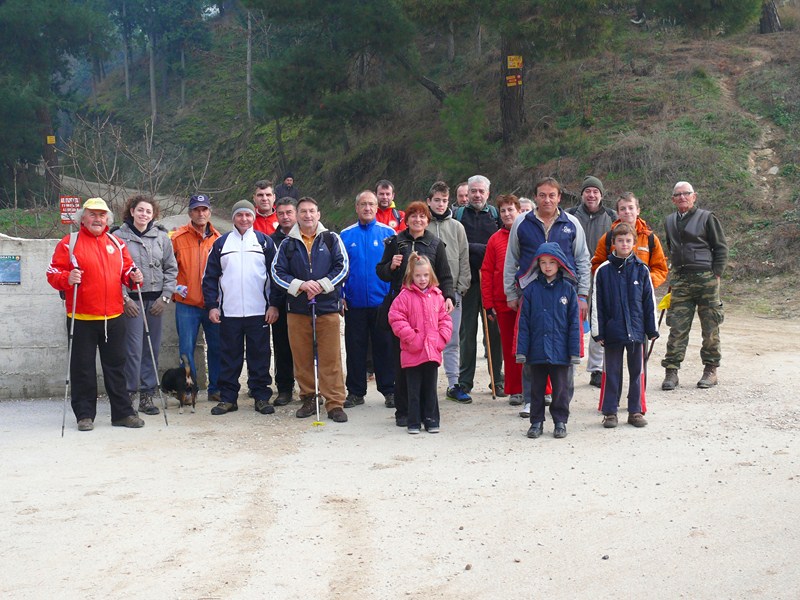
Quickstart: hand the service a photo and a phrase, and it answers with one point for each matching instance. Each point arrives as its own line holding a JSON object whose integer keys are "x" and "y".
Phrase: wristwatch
{"x": 166, "y": 299}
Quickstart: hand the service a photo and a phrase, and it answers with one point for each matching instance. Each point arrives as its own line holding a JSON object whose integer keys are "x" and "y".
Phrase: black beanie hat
{"x": 591, "y": 181}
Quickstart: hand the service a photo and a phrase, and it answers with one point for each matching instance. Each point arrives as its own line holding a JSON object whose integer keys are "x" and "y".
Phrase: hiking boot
{"x": 224, "y": 407}
{"x": 499, "y": 390}
{"x": 560, "y": 431}
{"x": 263, "y": 407}
{"x": 85, "y": 425}
{"x": 610, "y": 421}
{"x": 709, "y": 377}
{"x": 132, "y": 421}
{"x": 459, "y": 394}
{"x": 535, "y": 430}
{"x": 596, "y": 379}
{"x": 671, "y": 380}
{"x": 526, "y": 411}
{"x": 515, "y": 400}
{"x": 353, "y": 400}
{"x": 337, "y": 415}
{"x": 637, "y": 420}
{"x": 309, "y": 408}
{"x": 388, "y": 400}
{"x": 146, "y": 404}
{"x": 401, "y": 421}
{"x": 215, "y": 397}
{"x": 283, "y": 399}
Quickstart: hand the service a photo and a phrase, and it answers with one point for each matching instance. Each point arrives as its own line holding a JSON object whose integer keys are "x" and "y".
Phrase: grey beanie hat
{"x": 243, "y": 205}
{"x": 591, "y": 181}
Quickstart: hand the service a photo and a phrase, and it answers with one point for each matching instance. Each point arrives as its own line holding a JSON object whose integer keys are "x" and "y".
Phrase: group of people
{"x": 412, "y": 285}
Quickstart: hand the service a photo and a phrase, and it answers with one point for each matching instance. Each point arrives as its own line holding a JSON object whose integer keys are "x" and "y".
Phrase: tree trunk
{"x": 249, "y": 67}
{"x": 153, "y": 94}
{"x": 183, "y": 76}
{"x": 126, "y": 52}
{"x": 512, "y": 96}
{"x": 478, "y": 36}
{"x": 451, "y": 41}
{"x": 428, "y": 84}
{"x": 770, "y": 21}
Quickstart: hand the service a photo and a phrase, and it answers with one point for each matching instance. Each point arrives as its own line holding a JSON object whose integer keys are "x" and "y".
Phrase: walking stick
{"x": 69, "y": 355}
{"x": 664, "y": 305}
{"x": 152, "y": 354}
{"x": 488, "y": 343}
{"x": 313, "y": 303}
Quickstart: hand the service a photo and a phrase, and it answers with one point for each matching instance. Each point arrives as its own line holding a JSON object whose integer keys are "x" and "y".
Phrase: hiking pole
{"x": 313, "y": 303}
{"x": 663, "y": 305}
{"x": 152, "y": 354}
{"x": 69, "y": 354}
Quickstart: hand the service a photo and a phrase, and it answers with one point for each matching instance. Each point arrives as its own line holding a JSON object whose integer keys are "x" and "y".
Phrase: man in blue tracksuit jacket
{"x": 363, "y": 293}
{"x": 236, "y": 293}
{"x": 311, "y": 265}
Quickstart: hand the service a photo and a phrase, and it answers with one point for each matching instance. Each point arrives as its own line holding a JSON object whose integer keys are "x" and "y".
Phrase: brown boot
{"x": 670, "y": 380}
{"x": 709, "y": 377}
{"x": 146, "y": 404}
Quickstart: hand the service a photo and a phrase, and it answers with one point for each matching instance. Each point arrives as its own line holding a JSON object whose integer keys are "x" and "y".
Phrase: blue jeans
{"x": 188, "y": 320}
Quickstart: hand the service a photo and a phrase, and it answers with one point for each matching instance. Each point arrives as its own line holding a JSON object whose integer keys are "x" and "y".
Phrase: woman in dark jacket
{"x": 392, "y": 267}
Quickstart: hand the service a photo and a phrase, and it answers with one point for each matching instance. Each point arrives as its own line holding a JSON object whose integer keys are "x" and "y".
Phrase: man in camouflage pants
{"x": 699, "y": 253}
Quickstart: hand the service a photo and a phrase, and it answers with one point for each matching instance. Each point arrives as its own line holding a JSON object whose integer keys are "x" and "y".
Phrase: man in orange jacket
{"x": 97, "y": 263}
{"x": 191, "y": 244}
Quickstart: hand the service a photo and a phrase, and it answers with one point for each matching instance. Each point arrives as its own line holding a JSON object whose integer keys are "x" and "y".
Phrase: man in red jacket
{"x": 99, "y": 264}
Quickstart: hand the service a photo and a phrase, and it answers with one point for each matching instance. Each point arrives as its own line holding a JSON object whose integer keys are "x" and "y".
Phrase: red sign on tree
{"x": 69, "y": 206}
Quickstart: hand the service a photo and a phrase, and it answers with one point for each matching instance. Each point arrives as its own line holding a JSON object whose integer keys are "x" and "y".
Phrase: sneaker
{"x": 401, "y": 421}
{"x": 132, "y": 421}
{"x": 413, "y": 430}
{"x": 353, "y": 400}
{"x": 215, "y": 397}
{"x": 263, "y": 407}
{"x": 432, "y": 429}
{"x": 610, "y": 421}
{"x": 224, "y": 407}
{"x": 85, "y": 425}
{"x": 596, "y": 379}
{"x": 459, "y": 394}
{"x": 535, "y": 430}
{"x": 388, "y": 401}
{"x": 548, "y": 399}
{"x": 515, "y": 400}
{"x": 146, "y": 404}
{"x": 526, "y": 411}
{"x": 637, "y": 420}
{"x": 337, "y": 415}
{"x": 309, "y": 408}
{"x": 560, "y": 431}
{"x": 283, "y": 399}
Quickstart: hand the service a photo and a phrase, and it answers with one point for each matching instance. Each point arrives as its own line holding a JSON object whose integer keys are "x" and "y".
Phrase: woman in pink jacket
{"x": 419, "y": 319}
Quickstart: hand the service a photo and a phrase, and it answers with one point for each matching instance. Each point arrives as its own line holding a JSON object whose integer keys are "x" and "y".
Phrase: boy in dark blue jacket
{"x": 623, "y": 318}
{"x": 548, "y": 337}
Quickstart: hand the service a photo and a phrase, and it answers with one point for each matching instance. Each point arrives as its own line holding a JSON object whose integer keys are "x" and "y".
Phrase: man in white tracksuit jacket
{"x": 236, "y": 292}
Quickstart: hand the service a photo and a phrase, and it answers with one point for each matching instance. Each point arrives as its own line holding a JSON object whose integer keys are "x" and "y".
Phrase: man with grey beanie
{"x": 236, "y": 290}
{"x": 596, "y": 220}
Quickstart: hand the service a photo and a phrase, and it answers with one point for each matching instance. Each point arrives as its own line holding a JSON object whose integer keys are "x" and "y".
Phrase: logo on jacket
{"x": 636, "y": 282}
{"x": 564, "y": 300}
{"x": 392, "y": 223}
{"x": 110, "y": 249}
{"x": 566, "y": 229}
{"x": 375, "y": 242}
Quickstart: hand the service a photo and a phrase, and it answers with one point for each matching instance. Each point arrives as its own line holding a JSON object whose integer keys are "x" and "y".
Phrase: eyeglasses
{"x": 679, "y": 194}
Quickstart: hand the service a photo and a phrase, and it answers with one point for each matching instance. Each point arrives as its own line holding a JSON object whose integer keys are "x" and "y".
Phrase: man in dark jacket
{"x": 287, "y": 188}
{"x": 699, "y": 253}
{"x": 364, "y": 292}
{"x": 480, "y": 221}
{"x": 311, "y": 266}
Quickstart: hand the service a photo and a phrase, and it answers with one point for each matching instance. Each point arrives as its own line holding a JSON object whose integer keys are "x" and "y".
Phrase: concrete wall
{"x": 33, "y": 342}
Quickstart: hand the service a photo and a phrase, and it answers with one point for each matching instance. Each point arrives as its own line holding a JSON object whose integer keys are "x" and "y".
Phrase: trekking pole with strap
{"x": 663, "y": 305}
{"x": 69, "y": 355}
{"x": 313, "y": 303}
{"x": 152, "y": 354}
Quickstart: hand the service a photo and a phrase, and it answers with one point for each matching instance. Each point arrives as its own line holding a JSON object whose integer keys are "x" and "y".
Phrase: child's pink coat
{"x": 419, "y": 319}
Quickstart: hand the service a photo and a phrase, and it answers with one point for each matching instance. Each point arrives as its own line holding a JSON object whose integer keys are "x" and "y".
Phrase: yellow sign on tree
{"x": 514, "y": 62}
{"x": 51, "y": 140}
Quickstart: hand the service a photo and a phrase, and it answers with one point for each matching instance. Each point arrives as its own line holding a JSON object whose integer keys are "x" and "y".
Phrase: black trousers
{"x": 559, "y": 379}
{"x": 359, "y": 328}
{"x": 423, "y": 404}
{"x": 284, "y": 365}
{"x": 108, "y": 336}
{"x": 234, "y": 332}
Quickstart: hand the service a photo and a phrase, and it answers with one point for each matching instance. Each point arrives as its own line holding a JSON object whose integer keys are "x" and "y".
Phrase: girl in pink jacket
{"x": 419, "y": 319}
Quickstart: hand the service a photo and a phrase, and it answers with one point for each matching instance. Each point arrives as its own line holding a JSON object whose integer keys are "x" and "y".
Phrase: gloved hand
{"x": 158, "y": 307}
{"x": 131, "y": 309}
{"x": 490, "y": 314}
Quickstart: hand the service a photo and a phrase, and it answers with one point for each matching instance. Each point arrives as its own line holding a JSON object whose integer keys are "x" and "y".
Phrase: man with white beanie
{"x": 236, "y": 291}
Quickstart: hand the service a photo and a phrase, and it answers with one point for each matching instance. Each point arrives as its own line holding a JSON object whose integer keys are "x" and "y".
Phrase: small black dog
{"x": 179, "y": 383}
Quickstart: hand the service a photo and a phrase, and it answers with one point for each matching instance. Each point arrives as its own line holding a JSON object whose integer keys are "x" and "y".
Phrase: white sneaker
{"x": 526, "y": 411}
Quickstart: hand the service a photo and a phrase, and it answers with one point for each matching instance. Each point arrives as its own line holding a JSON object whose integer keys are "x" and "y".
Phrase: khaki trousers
{"x": 331, "y": 377}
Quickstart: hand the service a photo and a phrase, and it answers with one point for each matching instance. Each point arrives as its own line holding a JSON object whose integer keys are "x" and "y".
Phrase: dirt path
{"x": 701, "y": 503}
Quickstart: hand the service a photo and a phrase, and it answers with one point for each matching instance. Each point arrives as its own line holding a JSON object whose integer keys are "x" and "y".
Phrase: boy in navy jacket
{"x": 623, "y": 318}
{"x": 548, "y": 338}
